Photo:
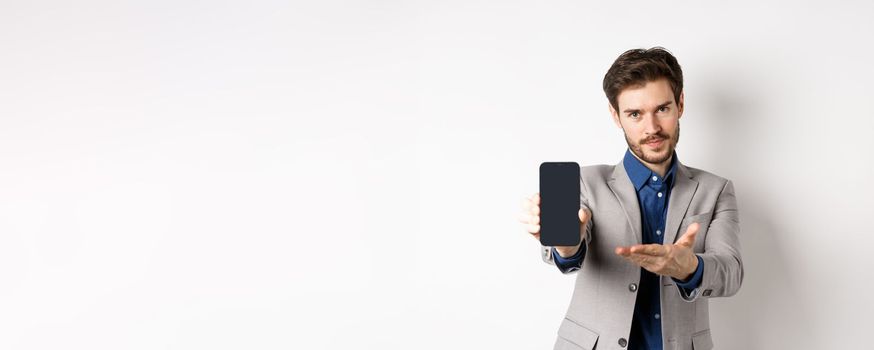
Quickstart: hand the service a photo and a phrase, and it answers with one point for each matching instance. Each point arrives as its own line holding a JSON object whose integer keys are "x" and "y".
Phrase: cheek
{"x": 636, "y": 133}
{"x": 670, "y": 128}
{"x": 631, "y": 129}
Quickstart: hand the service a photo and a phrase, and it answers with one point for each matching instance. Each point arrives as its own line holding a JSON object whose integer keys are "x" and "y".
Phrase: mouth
{"x": 655, "y": 143}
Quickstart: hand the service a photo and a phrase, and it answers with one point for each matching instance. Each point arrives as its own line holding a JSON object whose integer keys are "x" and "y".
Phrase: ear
{"x": 681, "y": 104}
{"x": 614, "y": 114}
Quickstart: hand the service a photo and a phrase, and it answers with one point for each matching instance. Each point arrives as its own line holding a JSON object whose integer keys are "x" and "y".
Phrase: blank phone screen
{"x": 559, "y": 204}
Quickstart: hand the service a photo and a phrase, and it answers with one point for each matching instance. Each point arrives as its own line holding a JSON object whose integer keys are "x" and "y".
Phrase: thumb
{"x": 584, "y": 216}
{"x": 688, "y": 238}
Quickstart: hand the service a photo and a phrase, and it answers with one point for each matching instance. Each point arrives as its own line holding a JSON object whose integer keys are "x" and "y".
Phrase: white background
{"x": 331, "y": 175}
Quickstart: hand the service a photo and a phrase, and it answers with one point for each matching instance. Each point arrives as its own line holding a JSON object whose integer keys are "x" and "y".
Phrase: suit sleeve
{"x": 573, "y": 263}
{"x": 723, "y": 267}
{"x": 689, "y": 287}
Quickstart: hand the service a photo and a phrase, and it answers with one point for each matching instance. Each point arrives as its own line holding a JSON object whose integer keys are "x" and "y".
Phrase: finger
{"x": 649, "y": 249}
{"x": 643, "y": 260}
{"x": 536, "y": 198}
{"x": 650, "y": 267}
{"x": 535, "y": 210}
{"x": 524, "y": 218}
{"x": 529, "y": 202}
{"x": 635, "y": 259}
{"x": 584, "y": 215}
{"x": 533, "y": 229}
{"x": 623, "y": 251}
{"x": 688, "y": 238}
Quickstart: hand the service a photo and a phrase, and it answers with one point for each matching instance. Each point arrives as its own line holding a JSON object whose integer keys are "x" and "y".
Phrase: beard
{"x": 654, "y": 157}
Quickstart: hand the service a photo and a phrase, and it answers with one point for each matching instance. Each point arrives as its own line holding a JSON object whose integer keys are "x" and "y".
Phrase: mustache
{"x": 656, "y": 137}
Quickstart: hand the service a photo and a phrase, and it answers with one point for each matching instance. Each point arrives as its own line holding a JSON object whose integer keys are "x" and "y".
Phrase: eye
{"x": 633, "y": 114}
{"x": 663, "y": 109}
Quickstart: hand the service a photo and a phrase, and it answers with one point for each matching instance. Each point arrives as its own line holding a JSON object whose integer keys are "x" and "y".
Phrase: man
{"x": 658, "y": 238}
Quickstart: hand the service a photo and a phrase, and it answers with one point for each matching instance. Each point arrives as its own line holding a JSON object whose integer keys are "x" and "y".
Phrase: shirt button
{"x": 657, "y": 316}
{"x": 632, "y": 287}
{"x": 655, "y": 178}
{"x": 660, "y": 195}
{"x": 623, "y": 342}
{"x": 659, "y": 232}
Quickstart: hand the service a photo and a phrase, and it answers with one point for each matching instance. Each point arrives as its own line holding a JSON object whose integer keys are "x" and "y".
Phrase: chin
{"x": 663, "y": 156}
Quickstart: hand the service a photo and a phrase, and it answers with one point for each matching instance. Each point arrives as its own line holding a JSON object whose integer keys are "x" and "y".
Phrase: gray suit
{"x": 601, "y": 310}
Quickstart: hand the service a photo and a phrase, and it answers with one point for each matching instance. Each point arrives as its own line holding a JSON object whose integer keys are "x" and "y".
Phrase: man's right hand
{"x": 530, "y": 218}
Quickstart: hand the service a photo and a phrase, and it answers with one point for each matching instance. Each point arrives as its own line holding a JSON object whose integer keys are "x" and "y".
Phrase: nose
{"x": 652, "y": 126}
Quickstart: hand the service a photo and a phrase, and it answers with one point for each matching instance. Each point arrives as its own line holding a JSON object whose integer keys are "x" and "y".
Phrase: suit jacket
{"x": 602, "y": 306}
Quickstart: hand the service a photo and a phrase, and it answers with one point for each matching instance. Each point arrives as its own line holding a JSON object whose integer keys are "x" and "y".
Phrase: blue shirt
{"x": 653, "y": 193}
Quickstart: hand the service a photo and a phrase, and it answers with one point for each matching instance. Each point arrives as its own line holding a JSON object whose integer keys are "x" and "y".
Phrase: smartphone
{"x": 559, "y": 203}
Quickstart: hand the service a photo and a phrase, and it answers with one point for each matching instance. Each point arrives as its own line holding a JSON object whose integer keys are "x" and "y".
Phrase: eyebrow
{"x": 664, "y": 104}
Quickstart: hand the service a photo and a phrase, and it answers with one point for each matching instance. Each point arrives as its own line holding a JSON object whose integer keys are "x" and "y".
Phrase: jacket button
{"x": 632, "y": 287}
{"x": 623, "y": 342}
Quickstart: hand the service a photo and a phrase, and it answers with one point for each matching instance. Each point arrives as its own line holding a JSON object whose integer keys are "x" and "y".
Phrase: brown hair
{"x": 636, "y": 67}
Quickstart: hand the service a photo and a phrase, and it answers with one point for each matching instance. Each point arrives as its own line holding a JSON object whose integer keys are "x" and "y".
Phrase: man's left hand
{"x": 676, "y": 260}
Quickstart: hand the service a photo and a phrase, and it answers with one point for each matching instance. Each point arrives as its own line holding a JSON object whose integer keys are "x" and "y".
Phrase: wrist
{"x": 567, "y": 252}
{"x": 691, "y": 271}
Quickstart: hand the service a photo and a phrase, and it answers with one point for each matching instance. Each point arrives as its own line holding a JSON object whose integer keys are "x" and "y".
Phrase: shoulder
{"x": 707, "y": 179}
{"x": 598, "y": 171}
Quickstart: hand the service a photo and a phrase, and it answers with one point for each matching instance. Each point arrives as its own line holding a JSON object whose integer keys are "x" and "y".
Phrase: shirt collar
{"x": 639, "y": 174}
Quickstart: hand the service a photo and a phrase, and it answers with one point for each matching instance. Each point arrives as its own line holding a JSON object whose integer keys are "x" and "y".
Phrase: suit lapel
{"x": 681, "y": 195}
{"x": 623, "y": 189}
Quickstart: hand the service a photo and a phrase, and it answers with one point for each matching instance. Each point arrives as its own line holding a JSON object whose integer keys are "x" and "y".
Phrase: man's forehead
{"x": 649, "y": 95}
